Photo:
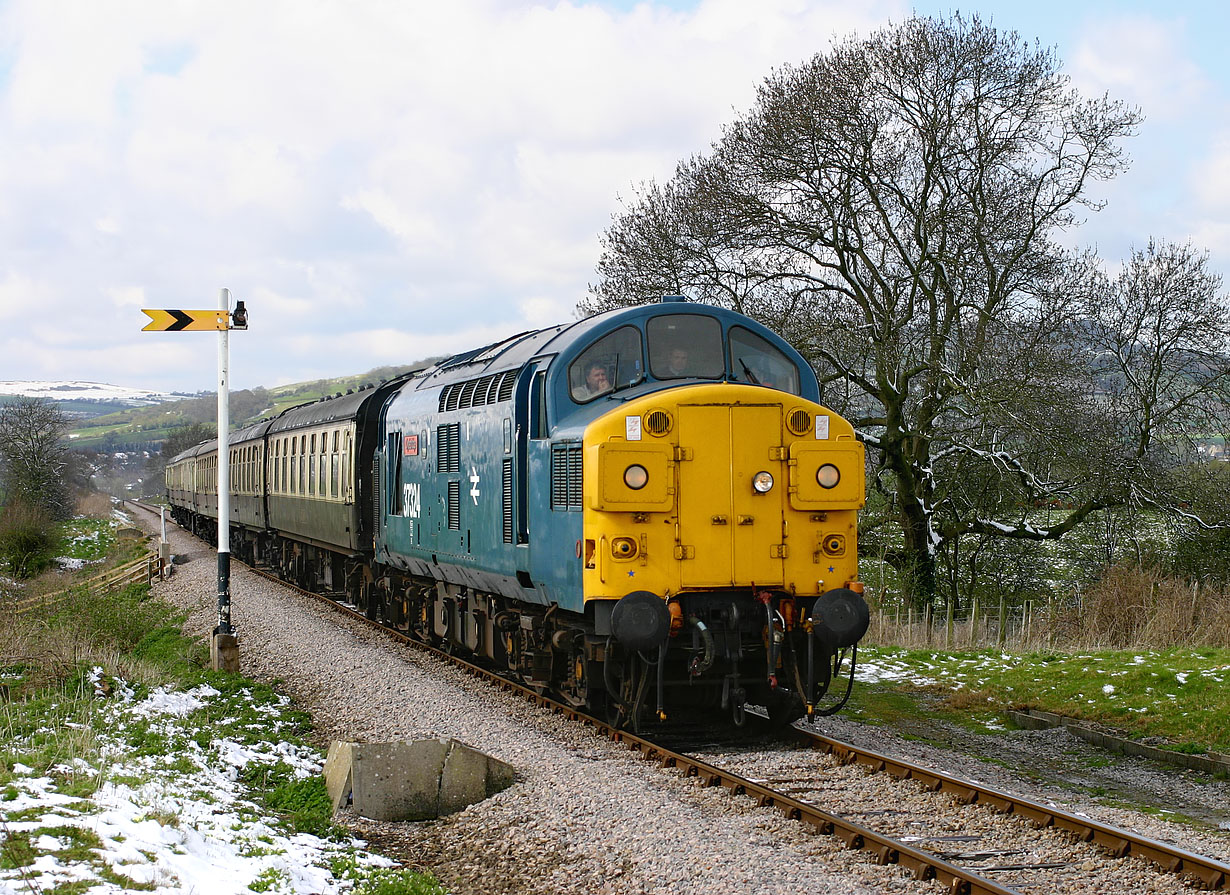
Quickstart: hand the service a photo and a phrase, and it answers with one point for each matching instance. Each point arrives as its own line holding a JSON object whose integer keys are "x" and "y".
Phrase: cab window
{"x": 755, "y": 360}
{"x": 614, "y": 361}
{"x": 685, "y": 346}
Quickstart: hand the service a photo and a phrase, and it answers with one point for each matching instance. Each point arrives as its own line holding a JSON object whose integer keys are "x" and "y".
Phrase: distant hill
{"x": 82, "y": 400}
{"x": 143, "y": 428}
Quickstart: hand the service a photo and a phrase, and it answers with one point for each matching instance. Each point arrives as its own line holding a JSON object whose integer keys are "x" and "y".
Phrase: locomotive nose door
{"x": 728, "y": 533}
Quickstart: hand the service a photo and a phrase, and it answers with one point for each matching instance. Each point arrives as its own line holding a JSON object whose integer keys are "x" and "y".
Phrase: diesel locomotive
{"x": 645, "y": 511}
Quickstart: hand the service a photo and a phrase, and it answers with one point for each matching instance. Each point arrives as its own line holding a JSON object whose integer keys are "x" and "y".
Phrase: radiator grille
{"x": 507, "y": 488}
{"x": 566, "y": 476}
{"x": 454, "y": 506}
{"x": 378, "y": 492}
{"x": 489, "y": 389}
{"x": 506, "y": 385}
{"x": 454, "y": 395}
{"x": 448, "y": 448}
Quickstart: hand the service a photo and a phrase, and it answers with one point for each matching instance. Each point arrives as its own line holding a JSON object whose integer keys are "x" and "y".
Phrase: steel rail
{"x": 1118, "y": 843}
{"x": 920, "y": 864}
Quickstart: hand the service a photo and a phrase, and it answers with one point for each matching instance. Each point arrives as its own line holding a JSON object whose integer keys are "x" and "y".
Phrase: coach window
{"x": 346, "y": 476}
{"x": 685, "y": 346}
{"x": 613, "y": 362}
{"x": 324, "y": 464}
{"x": 335, "y": 465}
{"x": 311, "y": 461}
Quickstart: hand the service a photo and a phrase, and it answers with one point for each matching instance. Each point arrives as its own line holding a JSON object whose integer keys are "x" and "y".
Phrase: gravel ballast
{"x": 585, "y": 815}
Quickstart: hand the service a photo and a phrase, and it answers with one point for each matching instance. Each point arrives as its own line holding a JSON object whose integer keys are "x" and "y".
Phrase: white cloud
{"x": 21, "y": 297}
{"x": 127, "y": 296}
{"x": 1142, "y": 60}
{"x": 378, "y": 181}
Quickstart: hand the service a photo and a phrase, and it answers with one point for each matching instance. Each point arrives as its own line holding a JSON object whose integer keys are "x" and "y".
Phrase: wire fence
{"x": 1130, "y": 607}
{"x": 1021, "y": 627}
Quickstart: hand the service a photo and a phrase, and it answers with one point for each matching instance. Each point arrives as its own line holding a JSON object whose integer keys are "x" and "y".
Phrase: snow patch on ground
{"x": 178, "y": 829}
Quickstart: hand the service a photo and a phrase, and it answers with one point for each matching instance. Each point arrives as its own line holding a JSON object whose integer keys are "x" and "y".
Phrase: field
{"x": 1176, "y": 695}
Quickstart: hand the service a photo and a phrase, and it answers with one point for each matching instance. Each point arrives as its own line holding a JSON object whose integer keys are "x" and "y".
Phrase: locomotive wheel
{"x": 784, "y": 708}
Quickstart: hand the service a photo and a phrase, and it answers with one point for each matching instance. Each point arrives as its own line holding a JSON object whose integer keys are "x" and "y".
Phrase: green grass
{"x": 1179, "y": 695}
{"x": 71, "y": 672}
{"x": 87, "y": 538}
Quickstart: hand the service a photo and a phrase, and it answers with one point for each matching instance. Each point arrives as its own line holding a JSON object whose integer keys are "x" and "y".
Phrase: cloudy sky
{"x": 381, "y": 180}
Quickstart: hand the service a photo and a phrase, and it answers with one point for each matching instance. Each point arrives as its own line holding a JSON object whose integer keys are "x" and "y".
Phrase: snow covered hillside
{"x": 87, "y": 391}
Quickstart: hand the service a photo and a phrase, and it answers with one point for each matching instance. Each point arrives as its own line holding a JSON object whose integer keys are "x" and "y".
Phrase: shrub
{"x": 27, "y": 540}
{"x": 1135, "y": 606}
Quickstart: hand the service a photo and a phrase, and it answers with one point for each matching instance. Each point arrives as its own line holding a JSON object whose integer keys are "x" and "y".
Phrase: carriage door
{"x": 734, "y": 534}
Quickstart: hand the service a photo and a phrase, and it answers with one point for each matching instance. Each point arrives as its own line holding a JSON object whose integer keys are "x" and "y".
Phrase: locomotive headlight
{"x": 762, "y": 482}
{"x": 828, "y": 475}
{"x": 636, "y": 477}
{"x": 623, "y": 548}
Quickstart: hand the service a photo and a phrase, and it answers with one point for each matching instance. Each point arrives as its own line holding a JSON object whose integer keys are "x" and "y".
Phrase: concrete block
{"x": 415, "y": 780}
{"x": 337, "y": 773}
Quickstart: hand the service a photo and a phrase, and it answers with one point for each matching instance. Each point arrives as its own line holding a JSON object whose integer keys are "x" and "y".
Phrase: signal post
{"x": 224, "y": 644}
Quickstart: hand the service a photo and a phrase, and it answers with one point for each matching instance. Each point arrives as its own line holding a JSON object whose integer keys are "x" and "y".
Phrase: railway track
{"x": 940, "y": 863}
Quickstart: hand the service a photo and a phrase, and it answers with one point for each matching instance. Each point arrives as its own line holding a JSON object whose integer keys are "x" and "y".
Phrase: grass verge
{"x": 125, "y": 761}
{"x": 1176, "y": 695}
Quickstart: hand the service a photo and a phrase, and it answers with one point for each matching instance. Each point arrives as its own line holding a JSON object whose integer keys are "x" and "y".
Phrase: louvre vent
{"x": 506, "y": 385}
{"x": 378, "y": 503}
{"x": 448, "y": 448}
{"x": 454, "y": 505}
{"x": 508, "y": 501}
{"x": 799, "y": 422}
{"x": 566, "y": 477}
{"x": 657, "y": 422}
{"x": 487, "y": 390}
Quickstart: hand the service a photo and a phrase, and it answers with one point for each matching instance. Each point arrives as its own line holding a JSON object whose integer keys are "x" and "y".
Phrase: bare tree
{"x": 1160, "y": 331}
{"x": 892, "y": 208}
{"x": 183, "y": 437}
{"x": 33, "y": 456}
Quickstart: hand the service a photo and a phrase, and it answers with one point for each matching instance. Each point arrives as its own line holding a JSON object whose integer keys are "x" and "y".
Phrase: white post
{"x": 164, "y": 549}
{"x": 224, "y": 470}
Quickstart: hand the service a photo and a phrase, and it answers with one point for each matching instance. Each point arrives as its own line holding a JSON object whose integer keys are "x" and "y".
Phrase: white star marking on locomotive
{"x": 474, "y": 481}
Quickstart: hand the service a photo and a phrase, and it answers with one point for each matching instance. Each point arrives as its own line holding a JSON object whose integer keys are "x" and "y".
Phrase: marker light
{"x": 828, "y": 475}
{"x": 636, "y": 477}
{"x": 762, "y": 482}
